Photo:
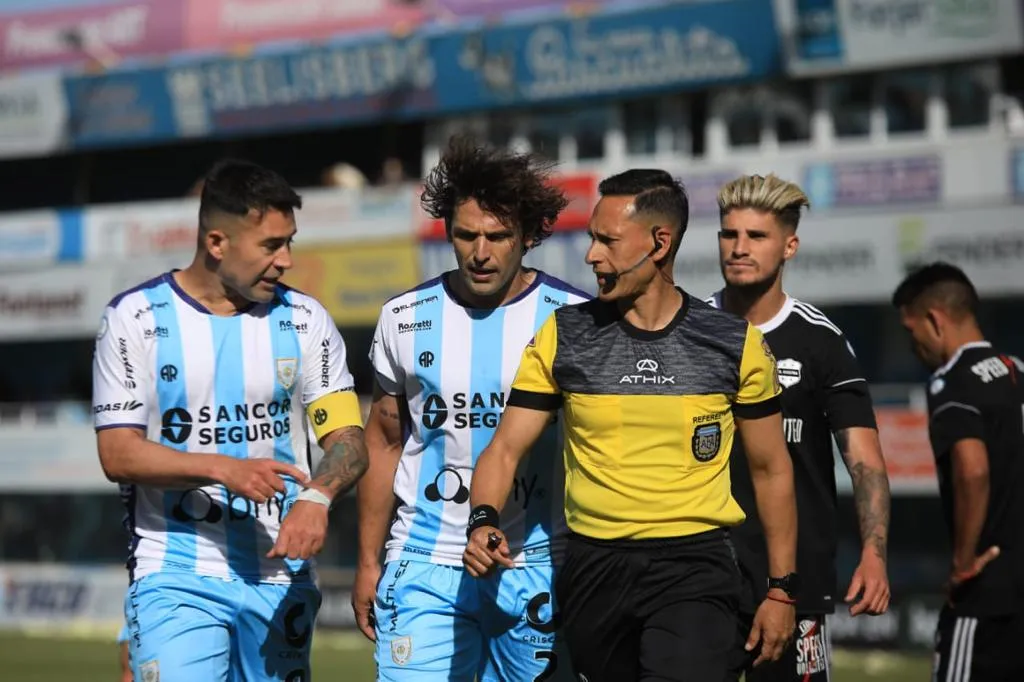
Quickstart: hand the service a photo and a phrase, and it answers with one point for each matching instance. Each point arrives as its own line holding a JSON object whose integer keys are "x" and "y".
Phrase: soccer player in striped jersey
{"x": 203, "y": 379}
{"x": 824, "y": 395}
{"x": 445, "y": 354}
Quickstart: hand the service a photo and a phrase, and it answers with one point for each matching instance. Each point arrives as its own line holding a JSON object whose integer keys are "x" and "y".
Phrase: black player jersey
{"x": 823, "y": 391}
{"x": 979, "y": 394}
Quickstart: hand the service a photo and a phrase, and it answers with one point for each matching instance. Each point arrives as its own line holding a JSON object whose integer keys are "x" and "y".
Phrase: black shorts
{"x": 808, "y": 658}
{"x": 651, "y": 609}
{"x": 981, "y": 649}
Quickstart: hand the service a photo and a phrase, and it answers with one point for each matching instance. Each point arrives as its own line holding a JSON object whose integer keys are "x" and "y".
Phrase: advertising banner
{"x": 55, "y": 595}
{"x": 354, "y": 280}
{"x": 72, "y": 35}
{"x": 434, "y": 71}
{"x": 225, "y": 23}
{"x": 36, "y": 238}
{"x": 833, "y": 35}
{"x": 127, "y": 231}
{"x": 66, "y": 302}
{"x": 33, "y": 114}
{"x": 843, "y": 184}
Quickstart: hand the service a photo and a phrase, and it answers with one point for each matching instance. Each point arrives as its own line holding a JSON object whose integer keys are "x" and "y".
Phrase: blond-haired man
{"x": 824, "y": 395}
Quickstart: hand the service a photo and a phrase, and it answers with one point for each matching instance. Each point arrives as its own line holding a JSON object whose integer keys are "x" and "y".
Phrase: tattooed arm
{"x": 304, "y": 528}
{"x": 862, "y": 454}
{"x": 344, "y": 461}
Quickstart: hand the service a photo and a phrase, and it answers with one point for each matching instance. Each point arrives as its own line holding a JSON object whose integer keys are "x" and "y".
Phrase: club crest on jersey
{"x": 286, "y": 372}
{"x": 401, "y": 650}
{"x": 150, "y": 671}
{"x": 789, "y": 371}
{"x": 706, "y": 441}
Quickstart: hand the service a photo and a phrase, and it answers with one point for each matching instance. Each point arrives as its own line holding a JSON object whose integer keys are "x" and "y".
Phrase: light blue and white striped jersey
{"x": 455, "y": 365}
{"x": 240, "y": 386}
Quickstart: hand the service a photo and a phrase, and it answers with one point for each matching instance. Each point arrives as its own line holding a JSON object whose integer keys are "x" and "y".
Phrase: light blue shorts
{"x": 184, "y": 628}
{"x": 438, "y": 624}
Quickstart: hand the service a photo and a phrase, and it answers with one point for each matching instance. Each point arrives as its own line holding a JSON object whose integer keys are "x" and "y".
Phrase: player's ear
{"x": 216, "y": 242}
{"x": 792, "y": 245}
{"x": 934, "y": 319}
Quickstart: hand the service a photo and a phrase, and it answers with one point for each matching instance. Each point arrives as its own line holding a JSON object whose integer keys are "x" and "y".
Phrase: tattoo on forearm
{"x": 871, "y": 497}
{"x": 343, "y": 463}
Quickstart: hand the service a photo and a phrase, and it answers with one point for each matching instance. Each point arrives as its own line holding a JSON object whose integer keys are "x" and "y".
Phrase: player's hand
{"x": 302, "y": 532}
{"x": 483, "y": 553}
{"x": 961, "y": 575}
{"x": 871, "y": 583}
{"x": 258, "y": 479}
{"x": 364, "y": 593}
{"x": 773, "y": 626}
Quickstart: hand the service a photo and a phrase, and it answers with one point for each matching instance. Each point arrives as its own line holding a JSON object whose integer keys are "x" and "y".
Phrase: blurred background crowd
{"x": 902, "y": 119}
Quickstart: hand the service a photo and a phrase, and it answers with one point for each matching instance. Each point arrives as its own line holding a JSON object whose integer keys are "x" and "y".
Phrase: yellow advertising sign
{"x": 354, "y": 280}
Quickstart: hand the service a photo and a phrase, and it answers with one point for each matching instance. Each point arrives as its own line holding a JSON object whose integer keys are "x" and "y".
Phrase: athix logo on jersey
{"x": 647, "y": 373}
{"x": 789, "y": 371}
{"x": 149, "y": 308}
{"x": 436, "y": 410}
{"x": 228, "y": 423}
{"x": 286, "y": 372}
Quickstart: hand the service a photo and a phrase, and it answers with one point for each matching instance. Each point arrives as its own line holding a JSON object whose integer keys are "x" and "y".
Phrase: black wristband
{"x": 482, "y": 515}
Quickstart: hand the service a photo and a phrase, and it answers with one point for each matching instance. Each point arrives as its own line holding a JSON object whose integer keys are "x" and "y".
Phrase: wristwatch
{"x": 790, "y": 584}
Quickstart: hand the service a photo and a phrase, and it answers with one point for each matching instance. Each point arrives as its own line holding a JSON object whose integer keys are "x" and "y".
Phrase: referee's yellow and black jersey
{"x": 648, "y": 416}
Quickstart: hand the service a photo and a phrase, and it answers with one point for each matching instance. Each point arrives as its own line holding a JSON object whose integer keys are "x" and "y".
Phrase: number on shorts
{"x": 552, "y": 658}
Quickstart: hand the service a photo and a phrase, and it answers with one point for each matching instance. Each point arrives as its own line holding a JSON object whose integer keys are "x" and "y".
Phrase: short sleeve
{"x": 389, "y": 372}
{"x": 955, "y": 414}
{"x": 847, "y": 398}
{"x": 120, "y": 376}
{"x": 534, "y": 386}
{"x": 759, "y": 380}
{"x": 328, "y": 389}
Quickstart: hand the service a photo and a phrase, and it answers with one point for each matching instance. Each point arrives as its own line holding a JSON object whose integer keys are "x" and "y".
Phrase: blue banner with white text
{"x": 436, "y": 71}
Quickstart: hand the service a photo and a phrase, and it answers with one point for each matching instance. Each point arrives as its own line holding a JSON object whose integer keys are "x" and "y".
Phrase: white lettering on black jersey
{"x": 979, "y": 394}
{"x": 824, "y": 391}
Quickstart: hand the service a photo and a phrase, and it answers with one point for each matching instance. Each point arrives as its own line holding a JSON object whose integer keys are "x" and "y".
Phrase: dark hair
{"x": 512, "y": 187}
{"x": 657, "y": 193}
{"x": 940, "y": 284}
{"x": 236, "y": 187}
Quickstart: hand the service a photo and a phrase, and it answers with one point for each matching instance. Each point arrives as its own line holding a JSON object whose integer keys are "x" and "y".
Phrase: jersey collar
{"x": 768, "y": 325}
{"x": 956, "y": 356}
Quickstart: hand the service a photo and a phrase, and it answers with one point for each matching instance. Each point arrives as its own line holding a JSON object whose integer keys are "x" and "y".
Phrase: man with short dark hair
{"x": 976, "y": 426}
{"x": 203, "y": 380}
{"x": 653, "y": 385}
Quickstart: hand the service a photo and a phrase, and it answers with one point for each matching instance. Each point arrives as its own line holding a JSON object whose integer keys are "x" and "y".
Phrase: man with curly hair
{"x": 445, "y": 354}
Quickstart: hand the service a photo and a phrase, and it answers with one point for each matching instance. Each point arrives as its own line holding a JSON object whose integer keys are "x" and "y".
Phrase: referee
{"x": 976, "y": 410}
{"x": 653, "y": 384}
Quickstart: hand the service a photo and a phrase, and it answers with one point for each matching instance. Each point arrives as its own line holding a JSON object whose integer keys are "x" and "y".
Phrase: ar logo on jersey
{"x": 789, "y": 371}
{"x": 286, "y": 372}
{"x": 706, "y": 441}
